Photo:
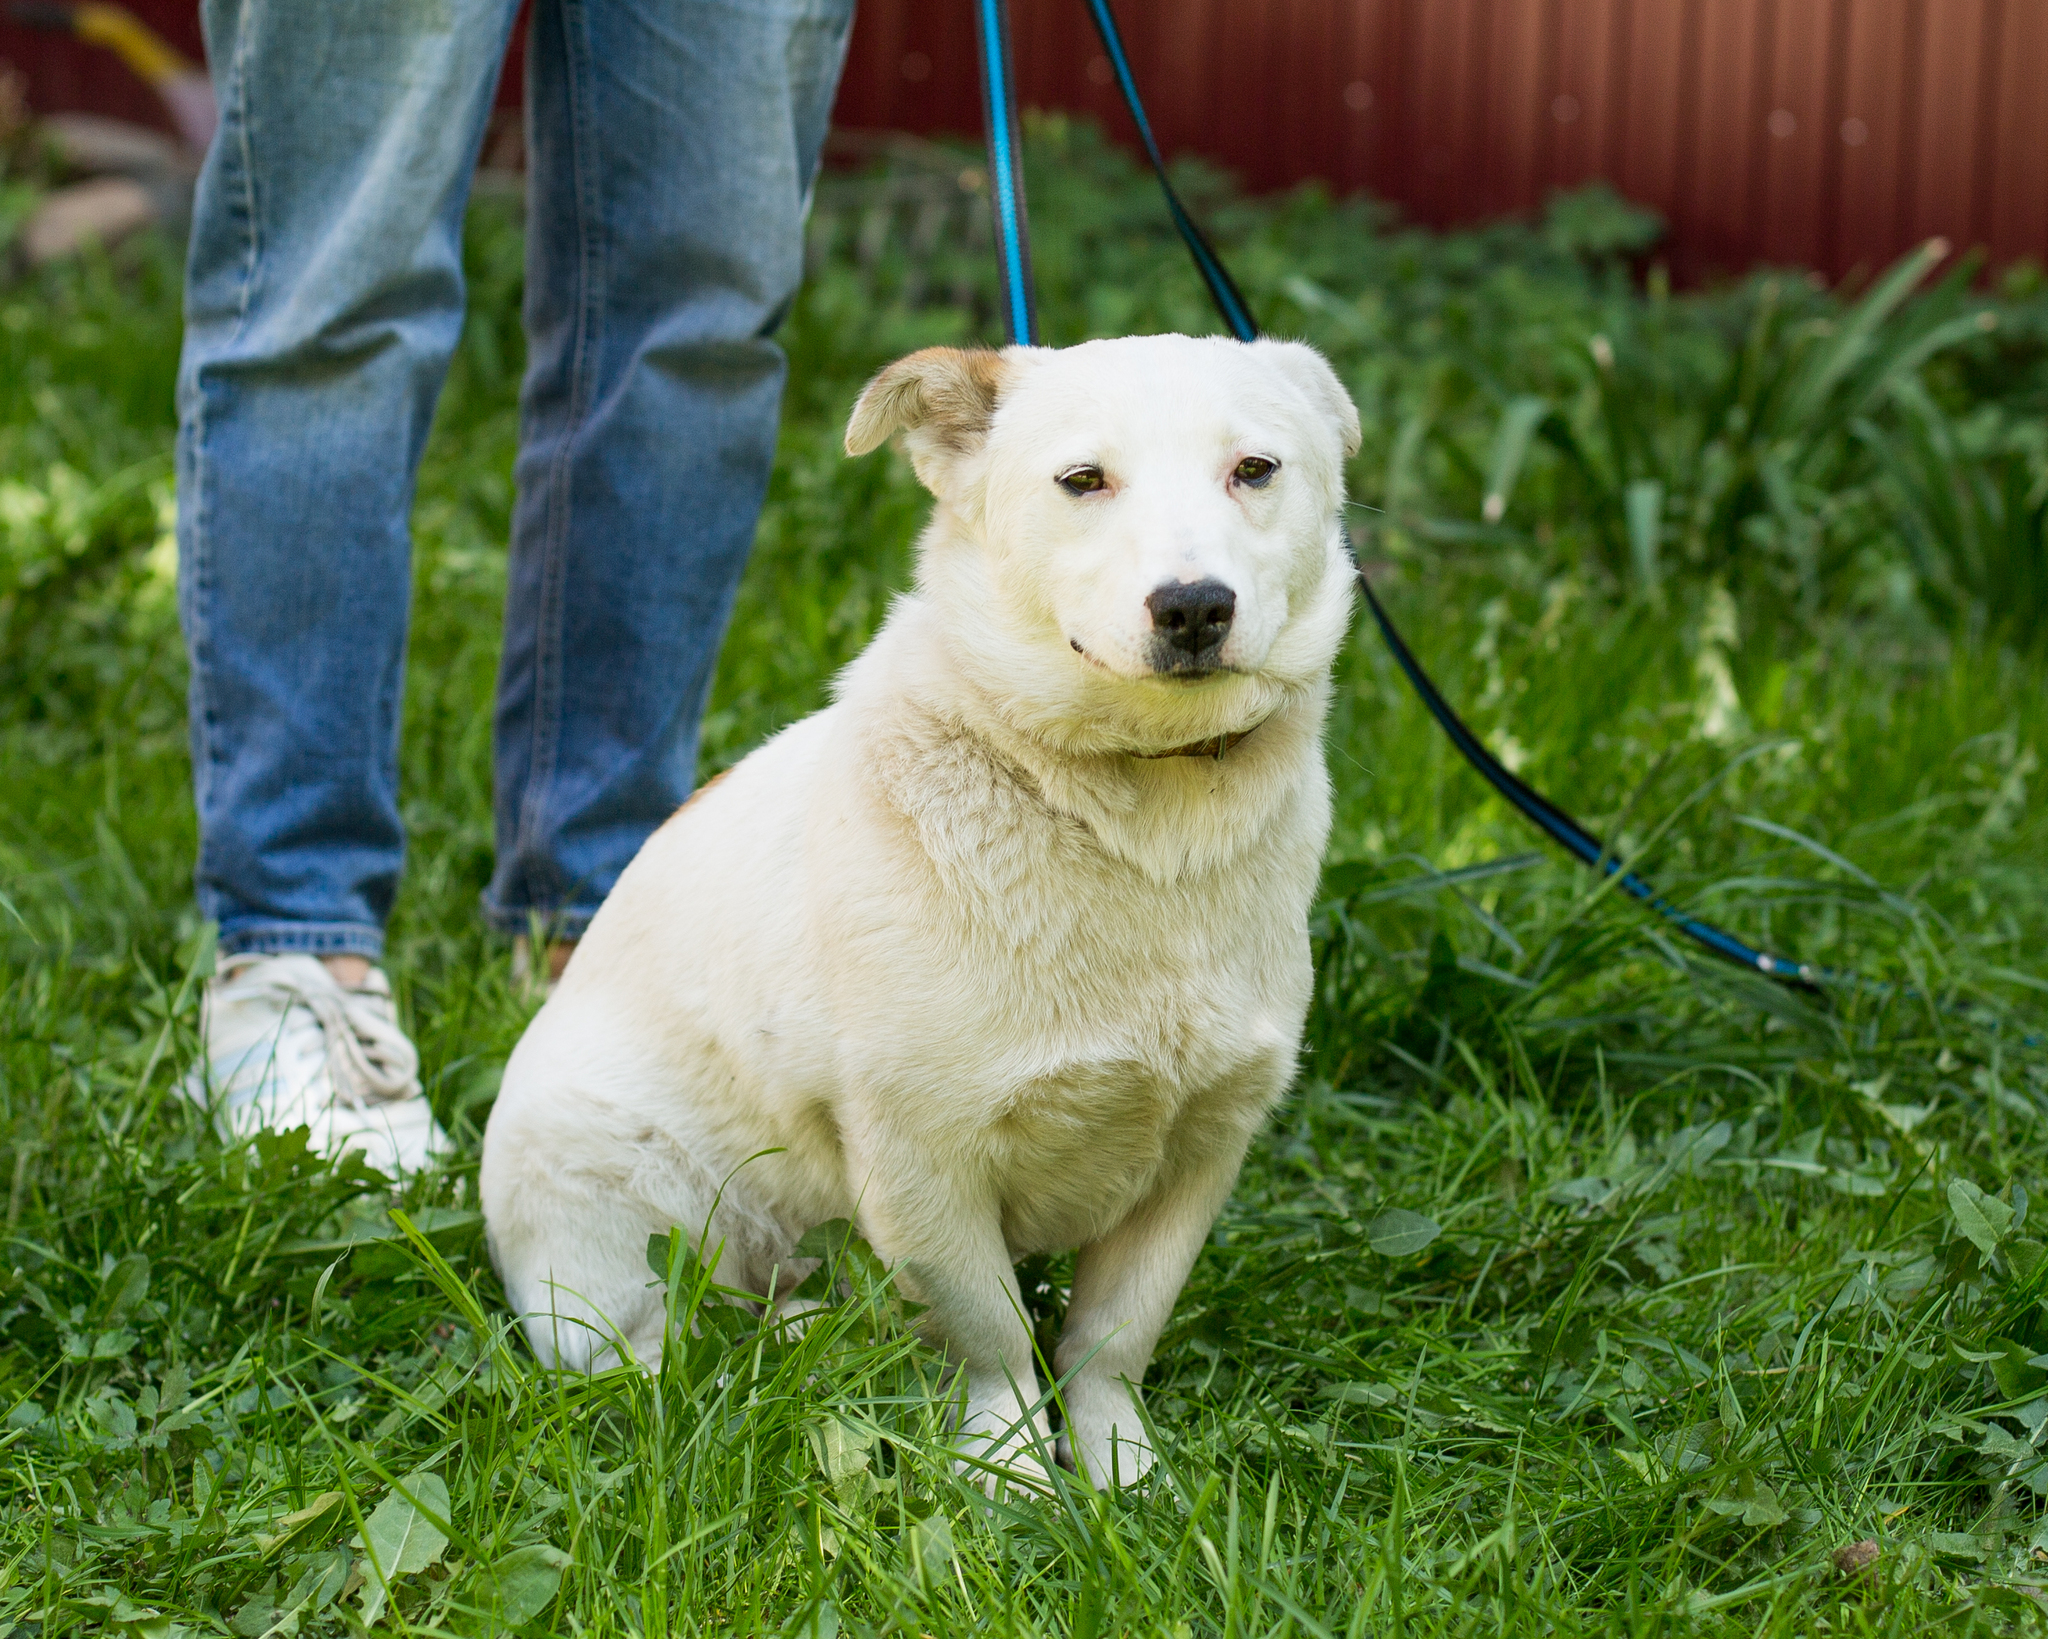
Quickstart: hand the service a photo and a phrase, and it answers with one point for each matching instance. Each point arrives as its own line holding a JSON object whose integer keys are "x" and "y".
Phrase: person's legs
{"x": 672, "y": 145}
{"x": 323, "y": 299}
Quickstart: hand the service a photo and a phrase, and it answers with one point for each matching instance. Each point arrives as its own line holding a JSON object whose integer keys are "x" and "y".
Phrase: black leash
{"x": 1013, "y": 257}
{"x": 1568, "y": 833}
{"x": 1223, "y": 291}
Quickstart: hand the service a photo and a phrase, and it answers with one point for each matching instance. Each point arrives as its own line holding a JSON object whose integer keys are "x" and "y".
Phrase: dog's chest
{"x": 1083, "y": 1026}
{"x": 1077, "y": 1129}
{"x": 1068, "y": 941}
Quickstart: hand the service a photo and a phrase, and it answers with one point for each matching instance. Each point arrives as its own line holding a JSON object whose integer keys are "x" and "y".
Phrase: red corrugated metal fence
{"x": 1834, "y": 133}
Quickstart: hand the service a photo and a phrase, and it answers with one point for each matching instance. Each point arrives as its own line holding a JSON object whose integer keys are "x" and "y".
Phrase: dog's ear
{"x": 943, "y": 397}
{"x": 1311, "y": 372}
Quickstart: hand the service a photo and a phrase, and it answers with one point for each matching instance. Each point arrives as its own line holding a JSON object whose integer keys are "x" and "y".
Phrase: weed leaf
{"x": 283, "y": 1529}
{"x": 399, "y": 1538}
{"x": 1982, "y": 1218}
{"x": 1399, "y": 1233}
{"x": 126, "y": 1285}
{"x": 1510, "y": 448}
{"x": 524, "y": 1582}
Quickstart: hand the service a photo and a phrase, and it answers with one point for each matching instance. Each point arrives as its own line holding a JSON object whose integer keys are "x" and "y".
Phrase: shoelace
{"x": 369, "y": 1059}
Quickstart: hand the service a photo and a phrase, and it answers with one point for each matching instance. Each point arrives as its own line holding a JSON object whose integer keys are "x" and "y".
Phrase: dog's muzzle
{"x": 1189, "y": 625}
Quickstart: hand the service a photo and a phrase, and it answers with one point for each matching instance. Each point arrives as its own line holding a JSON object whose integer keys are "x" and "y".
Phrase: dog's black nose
{"x": 1192, "y": 620}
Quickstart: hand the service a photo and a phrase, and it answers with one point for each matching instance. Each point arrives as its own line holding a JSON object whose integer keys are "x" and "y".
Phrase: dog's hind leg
{"x": 583, "y": 1303}
{"x": 572, "y": 1190}
{"x": 571, "y": 1247}
{"x": 573, "y": 1256}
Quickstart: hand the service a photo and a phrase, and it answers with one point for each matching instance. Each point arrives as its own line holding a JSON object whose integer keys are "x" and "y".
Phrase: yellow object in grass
{"x": 131, "y": 39}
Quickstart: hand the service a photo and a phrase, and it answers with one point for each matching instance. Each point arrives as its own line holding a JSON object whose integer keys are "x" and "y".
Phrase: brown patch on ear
{"x": 945, "y": 395}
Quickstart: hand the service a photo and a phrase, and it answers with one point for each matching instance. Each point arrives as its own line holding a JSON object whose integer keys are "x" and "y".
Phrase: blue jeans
{"x": 672, "y": 145}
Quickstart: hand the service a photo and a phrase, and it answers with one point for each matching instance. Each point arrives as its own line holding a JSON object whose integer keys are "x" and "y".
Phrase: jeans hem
{"x": 301, "y": 938}
{"x": 513, "y": 920}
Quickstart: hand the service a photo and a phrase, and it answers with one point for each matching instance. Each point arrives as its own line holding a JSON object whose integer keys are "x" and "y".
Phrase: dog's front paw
{"x": 1105, "y": 1438}
{"x": 999, "y": 1471}
{"x": 1001, "y": 1448}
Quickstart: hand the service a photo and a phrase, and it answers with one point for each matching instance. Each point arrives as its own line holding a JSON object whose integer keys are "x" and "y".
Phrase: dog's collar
{"x": 1215, "y": 746}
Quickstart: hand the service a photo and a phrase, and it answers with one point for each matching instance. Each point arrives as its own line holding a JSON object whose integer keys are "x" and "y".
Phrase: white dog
{"x": 1006, "y": 950}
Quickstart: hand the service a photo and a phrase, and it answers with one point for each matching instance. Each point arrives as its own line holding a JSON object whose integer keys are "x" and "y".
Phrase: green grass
{"x": 1723, "y": 1279}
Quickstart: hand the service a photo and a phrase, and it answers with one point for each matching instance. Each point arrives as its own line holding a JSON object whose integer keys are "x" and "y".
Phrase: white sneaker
{"x": 287, "y": 1045}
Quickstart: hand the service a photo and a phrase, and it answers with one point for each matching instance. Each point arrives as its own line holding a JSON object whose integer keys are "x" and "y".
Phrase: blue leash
{"x": 1013, "y": 257}
{"x": 1006, "y": 171}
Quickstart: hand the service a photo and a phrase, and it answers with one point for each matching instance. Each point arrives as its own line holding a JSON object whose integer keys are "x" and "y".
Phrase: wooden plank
{"x": 1617, "y": 94}
{"x": 1469, "y": 182}
{"x": 1183, "y": 67}
{"x": 1447, "y": 51}
{"x": 1365, "y": 51}
{"x": 912, "y": 67}
{"x": 1239, "y": 121}
{"x": 1990, "y": 88}
{"x": 1938, "y": 164}
{"x": 1041, "y": 80}
{"x": 1397, "y": 158}
{"x": 1873, "y": 132}
{"x": 1795, "y": 147}
{"x": 1985, "y": 109}
{"x": 1828, "y": 209}
{"x": 1719, "y": 197}
{"x": 1047, "y": 58}
{"x": 1285, "y": 52}
{"x": 2018, "y": 223}
{"x": 1661, "y": 78}
{"x": 859, "y": 105}
{"x": 1072, "y": 72}
{"x": 1511, "y": 135}
{"x": 1299, "y": 70}
{"x": 1586, "y": 114}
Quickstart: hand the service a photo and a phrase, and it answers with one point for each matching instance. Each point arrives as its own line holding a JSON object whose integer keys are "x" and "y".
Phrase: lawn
{"x": 1583, "y": 1285}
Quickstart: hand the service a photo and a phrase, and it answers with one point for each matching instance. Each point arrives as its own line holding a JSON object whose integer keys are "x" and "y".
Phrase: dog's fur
{"x": 992, "y": 974}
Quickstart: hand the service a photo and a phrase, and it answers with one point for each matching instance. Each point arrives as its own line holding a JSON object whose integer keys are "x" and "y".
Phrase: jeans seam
{"x": 548, "y": 660}
{"x": 252, "y": 257}
{"x": 208, "y": 736}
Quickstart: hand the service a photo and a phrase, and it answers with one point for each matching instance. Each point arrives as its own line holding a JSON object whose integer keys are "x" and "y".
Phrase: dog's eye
{"x": 1083, "y": 481}
{"x": 1255, "y": 470}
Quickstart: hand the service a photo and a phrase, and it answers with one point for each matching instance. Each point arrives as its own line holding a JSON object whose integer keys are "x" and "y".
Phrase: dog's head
{"x": 1138, "y": 543}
